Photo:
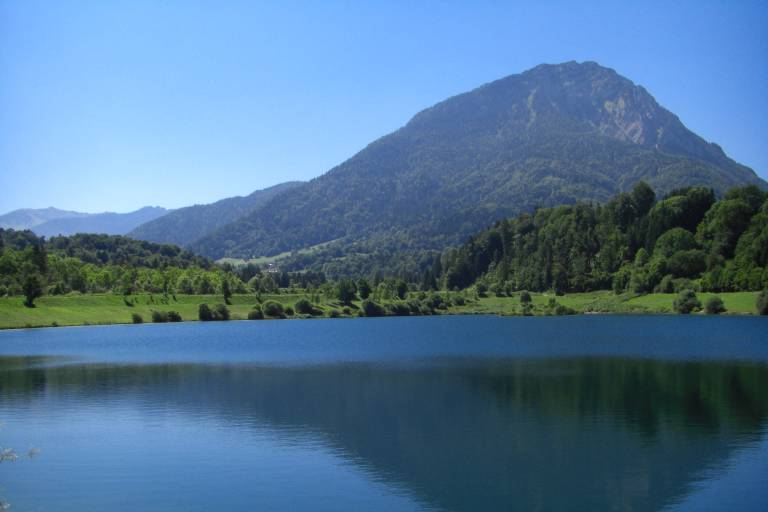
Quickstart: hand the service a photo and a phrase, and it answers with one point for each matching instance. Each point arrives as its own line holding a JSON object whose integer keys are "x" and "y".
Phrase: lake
{"x": 454, "y": 413}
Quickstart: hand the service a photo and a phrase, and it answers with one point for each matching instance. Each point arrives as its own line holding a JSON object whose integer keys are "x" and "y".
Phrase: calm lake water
{"x": 450, "y": 413}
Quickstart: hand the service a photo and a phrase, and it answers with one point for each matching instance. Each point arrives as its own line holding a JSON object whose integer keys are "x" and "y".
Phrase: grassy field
{"x": 113, "y": 309}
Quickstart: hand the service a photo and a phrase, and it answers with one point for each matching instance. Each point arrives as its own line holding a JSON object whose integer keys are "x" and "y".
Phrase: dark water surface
{"x": 450, "y": 413}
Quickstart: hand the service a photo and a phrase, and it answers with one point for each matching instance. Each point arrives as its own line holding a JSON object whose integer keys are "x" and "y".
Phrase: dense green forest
{"x": 632, "y": 243}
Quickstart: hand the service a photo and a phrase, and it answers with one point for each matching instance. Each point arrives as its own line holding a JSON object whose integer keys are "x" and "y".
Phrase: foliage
{"x": 588, "y": 247}
{"x": 371, "y": 308}
{"x": 762, "y": 303}
{"x": 686, "y": 302}
{"x": 137, "y": 318}
{"x": 273, "y": 309}
{"x": 346, "y": 291}
{"x": 256, "y": 313}
{"x": 714, "y": 306}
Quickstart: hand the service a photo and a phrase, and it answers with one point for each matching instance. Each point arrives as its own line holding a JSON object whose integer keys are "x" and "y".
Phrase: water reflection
{"x": 450, "y": 434}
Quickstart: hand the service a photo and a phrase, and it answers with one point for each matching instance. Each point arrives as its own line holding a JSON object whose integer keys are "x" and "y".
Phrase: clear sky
{"x": 113, "y": 105}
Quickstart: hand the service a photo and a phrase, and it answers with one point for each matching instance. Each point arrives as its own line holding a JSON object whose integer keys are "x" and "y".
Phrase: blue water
{"x": 448, "y": 413}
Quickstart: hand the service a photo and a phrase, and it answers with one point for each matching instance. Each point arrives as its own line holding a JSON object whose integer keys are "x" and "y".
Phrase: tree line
{"x": 687, "y": 240}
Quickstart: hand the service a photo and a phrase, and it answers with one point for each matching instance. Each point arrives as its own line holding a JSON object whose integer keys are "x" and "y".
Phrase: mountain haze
{"x": 185, "y": 225}
{"x": 105, "y": 223}
{"x": 552, "y": 135}
{"x": 28, "y": 218}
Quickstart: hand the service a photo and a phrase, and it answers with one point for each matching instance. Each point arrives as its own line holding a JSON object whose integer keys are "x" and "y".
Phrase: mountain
{"x": 185, "y": 225}
{"x": 107, "y": 223}
{"x": 31, "y": 217}
{"x": 555, "y": 134}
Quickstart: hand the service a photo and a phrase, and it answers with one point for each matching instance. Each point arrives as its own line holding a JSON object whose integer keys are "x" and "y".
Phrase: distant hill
{"x": 555, "y": 134}
{"x": 30, "y": 217}
{"x": 185, "y": 225}
{"x": 103, "y": 223}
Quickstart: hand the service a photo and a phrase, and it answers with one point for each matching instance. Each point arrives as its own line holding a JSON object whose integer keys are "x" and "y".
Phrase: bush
{"x": 686, "y": 302}
{"x": 136, "y": 318}
{"x": 304, "y": 307}
{"x": 762, "y": 303}
{"x": 273, "y": 309}
{"x": 221, "y": 312}
{"x": 370, "y": 308}
{"x": 334, "y": 313}
{"x": 289, "y": 311}
{"x": 525, "y": 297}
{"x": 204, "y": 313}
{"x": 174, "y": 316}
{"x": 398, "y": 309}
{"x": 159, "y": 317}
{"x": 714, "y": 306}
{"x": 256, "y": 313}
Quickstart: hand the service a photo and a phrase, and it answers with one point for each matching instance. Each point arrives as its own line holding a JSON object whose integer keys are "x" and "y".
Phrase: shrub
{"x": 256, "y": 313}
{"x": 482, "y": 289}
{"x": 221, "y": 312}
{"x": 304, "y": 307}
{"x": 273, "y": 309}
{"x": 174, "y": 316}
{"x": 762, "y": 303}
{"x": 136, "y": 318}
{"x": 334, "y": 313}
{"x": 370, "y": 308}
{"x": 398, "y": 309}
{"x": 525, "y": 297}
{"x": 159, "y": 317}
{"x": 346, "y": 310}
{"x": 289, "y": 311}
{"x": 714, "y": 306}
{"x": 686, "y": 302}
{"x": 204, "y": 313}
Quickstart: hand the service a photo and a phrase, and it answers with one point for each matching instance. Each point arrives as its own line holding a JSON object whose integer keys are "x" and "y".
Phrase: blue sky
{"x": 113, "y": 105}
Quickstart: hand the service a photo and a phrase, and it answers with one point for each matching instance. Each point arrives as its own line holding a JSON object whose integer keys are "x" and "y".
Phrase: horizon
{"x": 128, "y": 106}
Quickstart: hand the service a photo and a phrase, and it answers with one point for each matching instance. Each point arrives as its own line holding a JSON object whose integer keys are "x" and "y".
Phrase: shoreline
{"x": 107, "y": 309}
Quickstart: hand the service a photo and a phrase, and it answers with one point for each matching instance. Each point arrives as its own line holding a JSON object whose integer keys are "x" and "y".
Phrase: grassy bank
{"x": 114, "y": 309}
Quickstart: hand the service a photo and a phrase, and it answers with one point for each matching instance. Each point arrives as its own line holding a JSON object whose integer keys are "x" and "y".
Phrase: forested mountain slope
{"x": 185, "y": 225}
{"x": 555, "y": 134}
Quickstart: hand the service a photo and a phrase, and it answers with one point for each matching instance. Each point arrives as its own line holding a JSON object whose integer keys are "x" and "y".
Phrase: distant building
{"x": 272, "y": 268}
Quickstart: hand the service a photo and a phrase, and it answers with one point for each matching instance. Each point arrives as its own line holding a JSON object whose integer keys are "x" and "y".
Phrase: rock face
{"x": 555, "y": 134}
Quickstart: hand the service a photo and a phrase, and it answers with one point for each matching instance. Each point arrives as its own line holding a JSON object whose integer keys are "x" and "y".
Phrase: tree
{"x": 226, "y": 291}
{"x": 273, "y": 309}
{"x": 401, "y": 288}
{"x": 345, "y": 291}
{"x": 714, "y": 306}
{"x": 762, "y": 303}
{"x": 643, "y": 198}
{"x": 32, "y": 288}
{"x": 204, "y": 313}
{"x": 525, "y": 297}
{"x": 364, "y": 288}
{"x": 686, "y": 302}
{"x": 371, "y": 308}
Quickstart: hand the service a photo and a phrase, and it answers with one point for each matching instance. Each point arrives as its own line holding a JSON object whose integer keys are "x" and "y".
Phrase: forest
{"x": 687, "y": 239}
